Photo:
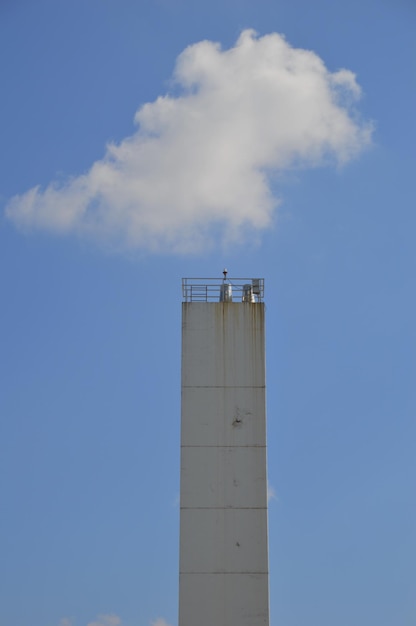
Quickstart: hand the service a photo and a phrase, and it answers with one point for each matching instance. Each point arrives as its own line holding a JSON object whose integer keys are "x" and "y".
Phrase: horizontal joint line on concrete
{"x": 221, "y": 508}
{"x": 258, "y": 573}
{"x": 223, "y": 386}
{"x": 217, "y": 446}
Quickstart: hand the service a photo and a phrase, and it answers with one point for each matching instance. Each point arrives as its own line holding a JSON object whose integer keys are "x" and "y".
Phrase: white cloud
{"x": 203, "y": 161}
{"x": 271, "y": 493}
{"x": 106, "y": 620}
{"x": 110, "y": 620}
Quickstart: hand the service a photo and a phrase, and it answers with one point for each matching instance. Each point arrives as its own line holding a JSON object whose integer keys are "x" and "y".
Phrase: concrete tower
{"x": 223, "y": 518}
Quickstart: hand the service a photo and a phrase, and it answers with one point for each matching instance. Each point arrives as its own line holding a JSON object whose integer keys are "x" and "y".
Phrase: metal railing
{"x": 223, "y": 290}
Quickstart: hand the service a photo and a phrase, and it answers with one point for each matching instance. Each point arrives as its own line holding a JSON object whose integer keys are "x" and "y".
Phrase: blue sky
{"x": 90, "y": 316}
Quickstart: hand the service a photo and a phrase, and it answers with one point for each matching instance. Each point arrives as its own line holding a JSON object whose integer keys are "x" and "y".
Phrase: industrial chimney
{"x": 223, "y": 498}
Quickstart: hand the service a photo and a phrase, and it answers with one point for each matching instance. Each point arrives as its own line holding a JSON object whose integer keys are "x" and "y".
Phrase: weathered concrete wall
{"x": 223, "y": 540}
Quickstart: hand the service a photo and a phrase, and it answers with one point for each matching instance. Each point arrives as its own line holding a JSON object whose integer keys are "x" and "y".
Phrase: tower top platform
{"x": 223, "y": 290}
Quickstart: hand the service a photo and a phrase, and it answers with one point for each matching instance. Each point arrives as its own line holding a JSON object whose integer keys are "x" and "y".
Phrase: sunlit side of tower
{"x": 223, "y": 518}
